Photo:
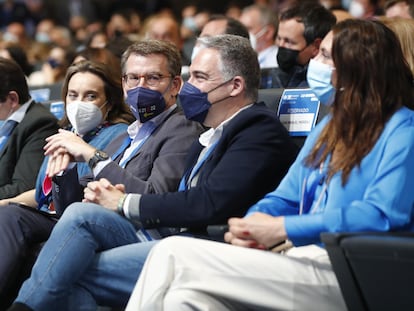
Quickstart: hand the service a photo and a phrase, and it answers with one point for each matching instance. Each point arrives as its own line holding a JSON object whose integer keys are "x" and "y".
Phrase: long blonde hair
{"x": 404, "y": 29}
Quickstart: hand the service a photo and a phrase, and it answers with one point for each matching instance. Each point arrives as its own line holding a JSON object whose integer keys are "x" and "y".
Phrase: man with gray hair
{"x": 245, "y": 154}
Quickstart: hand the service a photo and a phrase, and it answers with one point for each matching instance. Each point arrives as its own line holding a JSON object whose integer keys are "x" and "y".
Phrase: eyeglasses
{"x": 132, "y": 80}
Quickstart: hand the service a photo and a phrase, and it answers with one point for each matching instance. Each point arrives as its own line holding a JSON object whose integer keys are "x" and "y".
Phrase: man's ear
{"x": 238, "y": 86}
{"x": 176, "y": 84}
{"x": 13, "y": 97}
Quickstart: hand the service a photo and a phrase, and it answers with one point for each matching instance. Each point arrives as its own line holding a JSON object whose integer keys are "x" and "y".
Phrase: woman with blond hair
{"x": 404, "y": 29}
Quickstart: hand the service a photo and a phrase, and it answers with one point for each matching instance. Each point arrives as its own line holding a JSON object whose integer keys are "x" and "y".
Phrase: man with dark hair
{"x": 97, "y": 253}
{"x": 301, "y": 30}
{"x": 23, "y": 132}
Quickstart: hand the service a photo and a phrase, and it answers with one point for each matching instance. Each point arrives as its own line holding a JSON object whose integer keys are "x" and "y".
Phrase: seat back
{"x": 375, "y": 271}
{"x": 48, "y": 92}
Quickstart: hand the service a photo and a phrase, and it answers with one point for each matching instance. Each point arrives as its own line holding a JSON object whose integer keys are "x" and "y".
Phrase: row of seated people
{"x": 271, "y": 97}
{"x": 273, "y": 165}
{"x": 338, "y": 29}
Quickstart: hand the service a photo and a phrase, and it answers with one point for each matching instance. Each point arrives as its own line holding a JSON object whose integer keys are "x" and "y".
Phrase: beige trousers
{"x": 192, "y": 274}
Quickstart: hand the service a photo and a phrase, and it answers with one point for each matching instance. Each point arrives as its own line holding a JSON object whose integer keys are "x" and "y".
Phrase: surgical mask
{"x": 42, "y": 37}
{"x": 319, "y": 77}
{"x": 190, "y": 23}
{"x": 287, "y": 58}
{"x": 83, "y": 116}
{"x": 195, "y": 103}
{"x": 9, "y": 37}
{"x": 356, "y": 9}
{"x": 253, "y": 37}
{"x": 145, "y": 103}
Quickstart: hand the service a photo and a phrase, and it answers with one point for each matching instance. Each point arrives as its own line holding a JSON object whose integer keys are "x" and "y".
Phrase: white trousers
{"x": 192, "y": 274}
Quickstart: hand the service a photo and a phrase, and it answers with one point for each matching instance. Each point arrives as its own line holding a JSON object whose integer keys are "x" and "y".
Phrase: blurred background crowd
{"x": 44, "y": 35}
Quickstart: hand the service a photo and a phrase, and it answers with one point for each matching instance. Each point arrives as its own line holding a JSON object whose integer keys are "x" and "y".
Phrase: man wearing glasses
{"x": 94, "y": 254}
{"x": 150, "y": 157}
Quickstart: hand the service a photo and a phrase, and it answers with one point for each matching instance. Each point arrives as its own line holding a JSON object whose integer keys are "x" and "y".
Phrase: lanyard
{"x": 124, "y": 145}
{"x": 184, "y": 185}
{"x": 145, "y": 132}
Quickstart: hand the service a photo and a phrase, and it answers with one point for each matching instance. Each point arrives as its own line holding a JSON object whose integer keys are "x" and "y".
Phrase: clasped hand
{"x": 102, "y": 192}
{"x": 257, "y": 230}
{"x": 63, "y": 148}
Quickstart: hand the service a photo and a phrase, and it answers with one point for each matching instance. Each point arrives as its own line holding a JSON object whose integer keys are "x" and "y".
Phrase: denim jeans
{"x": 92, "y": 257}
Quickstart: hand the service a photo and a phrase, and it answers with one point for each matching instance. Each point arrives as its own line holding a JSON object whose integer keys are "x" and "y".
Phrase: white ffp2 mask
{"x": 83, "y": 116}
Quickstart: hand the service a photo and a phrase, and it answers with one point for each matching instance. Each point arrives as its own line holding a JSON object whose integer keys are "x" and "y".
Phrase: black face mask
{"x": 287, "y": 58}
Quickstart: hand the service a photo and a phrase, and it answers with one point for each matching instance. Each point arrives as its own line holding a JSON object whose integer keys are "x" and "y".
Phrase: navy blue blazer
{"x": 251, "y": 158}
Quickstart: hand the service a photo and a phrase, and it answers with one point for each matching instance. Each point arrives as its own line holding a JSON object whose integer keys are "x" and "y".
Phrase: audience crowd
{"x": 165, "y": 162}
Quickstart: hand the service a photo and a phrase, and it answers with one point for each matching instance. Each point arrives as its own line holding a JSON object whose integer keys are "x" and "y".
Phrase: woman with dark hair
{"x": 94, "y": 110}
{"x": 355, "y": 173}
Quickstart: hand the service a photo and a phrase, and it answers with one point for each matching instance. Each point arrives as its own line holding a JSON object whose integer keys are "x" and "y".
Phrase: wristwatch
{"x": 98, "y": 156}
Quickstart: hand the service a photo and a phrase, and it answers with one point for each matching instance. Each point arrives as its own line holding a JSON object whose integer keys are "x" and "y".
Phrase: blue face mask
{"x": 195, "y": 103}
{"x": 319, "y": 77}
{"x": 145, "y": 103}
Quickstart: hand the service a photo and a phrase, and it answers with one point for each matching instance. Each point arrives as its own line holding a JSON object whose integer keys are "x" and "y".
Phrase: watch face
{"x": 101, "y": 155}
{"x": 98, "y": 156}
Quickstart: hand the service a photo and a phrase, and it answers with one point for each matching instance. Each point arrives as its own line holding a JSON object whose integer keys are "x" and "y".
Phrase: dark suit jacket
{"x": 22, "y": 156}
{"x": 251, "y": 158}
{"x": 157, "y": 167}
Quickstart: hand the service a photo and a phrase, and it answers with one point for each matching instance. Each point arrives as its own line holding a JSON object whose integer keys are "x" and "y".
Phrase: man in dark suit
{"x": 150, "y": 156}
{"x": 28, "y": 123}
{"x": 244, "y": 155}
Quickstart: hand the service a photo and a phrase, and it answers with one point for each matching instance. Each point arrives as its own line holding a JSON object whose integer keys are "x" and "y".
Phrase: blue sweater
{"x": 378, "y": 196}
{"x": 100, "y": 141}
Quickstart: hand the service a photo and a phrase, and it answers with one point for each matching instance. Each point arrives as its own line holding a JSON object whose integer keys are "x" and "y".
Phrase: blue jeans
{"x": 92, "y": 257}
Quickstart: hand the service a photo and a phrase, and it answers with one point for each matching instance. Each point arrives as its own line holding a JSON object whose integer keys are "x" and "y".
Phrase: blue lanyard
{"x": 124, "y": 145}
{"x": 146, "y": 130}
{"x": 183, "y": 183}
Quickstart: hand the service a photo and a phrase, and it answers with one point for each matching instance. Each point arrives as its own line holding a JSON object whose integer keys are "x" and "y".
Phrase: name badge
{"x": 298, "y": 111}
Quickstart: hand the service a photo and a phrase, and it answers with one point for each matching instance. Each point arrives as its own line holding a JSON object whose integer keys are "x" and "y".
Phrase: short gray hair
{"x": 237, "y": 58}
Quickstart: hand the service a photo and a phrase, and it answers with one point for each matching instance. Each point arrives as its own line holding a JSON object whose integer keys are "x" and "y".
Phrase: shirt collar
{"x": 211, "y": 136}
{"x": 19, "y": 114}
